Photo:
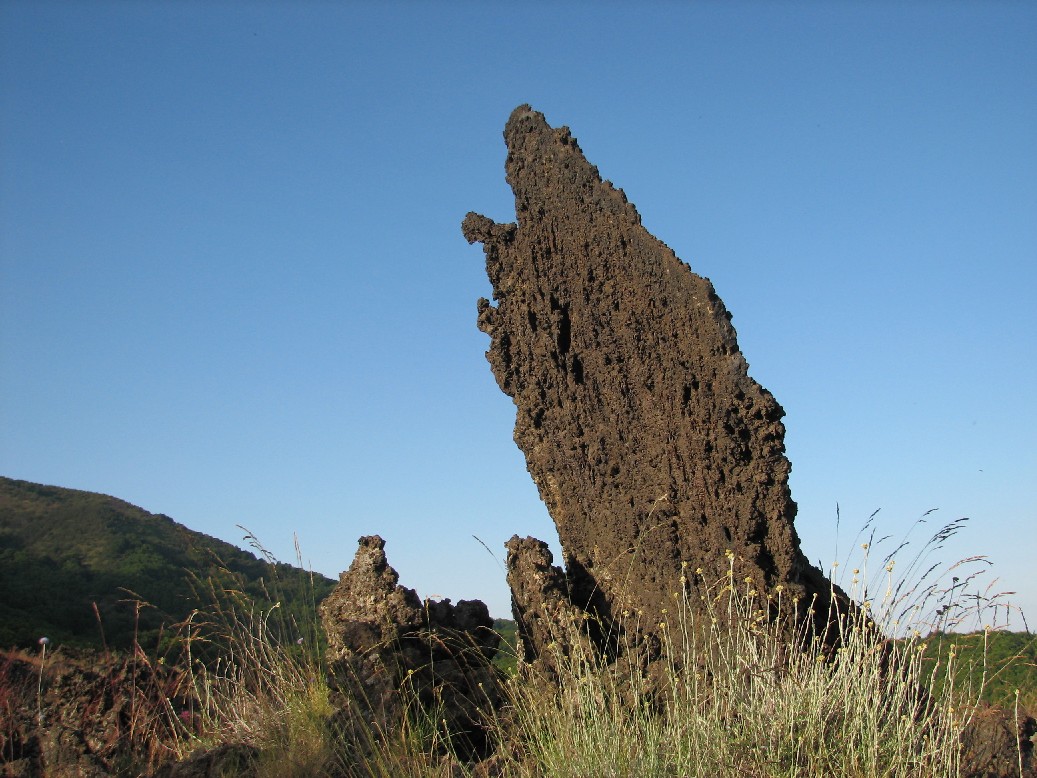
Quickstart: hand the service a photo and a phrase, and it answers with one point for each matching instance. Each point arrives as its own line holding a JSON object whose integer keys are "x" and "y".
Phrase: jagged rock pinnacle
{"x": 654, "y": 450}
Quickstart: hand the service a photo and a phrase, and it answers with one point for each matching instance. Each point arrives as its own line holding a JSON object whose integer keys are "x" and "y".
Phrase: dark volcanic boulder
{"x": 387, "y": 647}
{"x": 648, "y": 440}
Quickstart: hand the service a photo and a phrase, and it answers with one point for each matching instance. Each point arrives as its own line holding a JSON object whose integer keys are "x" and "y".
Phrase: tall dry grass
{"x": 751, "y": 695}
{"x": 758, "y": 696}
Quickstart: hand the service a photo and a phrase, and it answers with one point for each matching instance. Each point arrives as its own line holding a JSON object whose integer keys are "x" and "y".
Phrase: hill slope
{"x": 63, "y": 551}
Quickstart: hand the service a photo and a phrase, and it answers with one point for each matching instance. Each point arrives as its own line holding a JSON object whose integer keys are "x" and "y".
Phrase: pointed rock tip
{"x": 523, "y": 111}
{"x": 524, "y": 119}
{"x": 371, "y": 541}
{"x": 370, "y": 555}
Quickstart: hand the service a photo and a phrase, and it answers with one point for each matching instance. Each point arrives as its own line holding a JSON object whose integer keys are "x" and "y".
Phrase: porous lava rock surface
{"x": 654, "y": 450}
{"x": 383, "y": 640}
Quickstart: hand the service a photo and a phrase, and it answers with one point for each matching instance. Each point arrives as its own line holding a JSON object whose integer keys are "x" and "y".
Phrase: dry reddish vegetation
{"x": 88, "y": 712}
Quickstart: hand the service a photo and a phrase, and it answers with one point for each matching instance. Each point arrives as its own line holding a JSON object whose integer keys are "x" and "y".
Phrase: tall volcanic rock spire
{"x": 655, "y": 452}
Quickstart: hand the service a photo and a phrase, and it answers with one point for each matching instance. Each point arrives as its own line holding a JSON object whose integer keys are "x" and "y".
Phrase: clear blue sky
{"x": 234, "y": 290}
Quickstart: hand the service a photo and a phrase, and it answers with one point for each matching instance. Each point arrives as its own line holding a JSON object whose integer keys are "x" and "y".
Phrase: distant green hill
{"x": 64, "y": 552}
{"x": 1000, "y": 662}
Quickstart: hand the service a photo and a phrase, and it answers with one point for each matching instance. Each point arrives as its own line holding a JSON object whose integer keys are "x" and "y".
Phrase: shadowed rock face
{"x": 650, "y": 444}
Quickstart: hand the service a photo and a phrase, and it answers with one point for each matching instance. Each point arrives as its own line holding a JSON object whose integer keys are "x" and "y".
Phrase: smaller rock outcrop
{"x": 383, "y": 640}
{"x": 550, "y": 627}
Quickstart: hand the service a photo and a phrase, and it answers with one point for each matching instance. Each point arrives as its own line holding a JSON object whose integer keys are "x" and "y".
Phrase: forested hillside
{"x": 89, "y": 569}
